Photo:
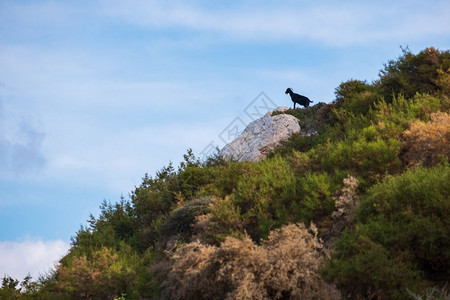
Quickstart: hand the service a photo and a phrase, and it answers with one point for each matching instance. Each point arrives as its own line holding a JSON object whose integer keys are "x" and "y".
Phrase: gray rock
{"x": 260, "y": 137}
{"x": 281, "y": 109}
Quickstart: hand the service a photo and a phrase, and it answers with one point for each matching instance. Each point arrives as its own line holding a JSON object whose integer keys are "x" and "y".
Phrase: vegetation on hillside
{"x": 218, "y": 229}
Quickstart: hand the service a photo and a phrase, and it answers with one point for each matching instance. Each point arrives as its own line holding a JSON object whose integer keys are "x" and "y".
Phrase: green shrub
{"x": 315, "y": 191}
{"x": 264, "y": 194}
{"x": 401, "y": 239}
{"x": 105, "y": 274}
{"x": 410, "y": 74}
{"x": 180, "y": 219}
{"x": 393, "y": 118}
{"x": 225, "y": 181}
{"x": 369, "y": 157}
{"x": 351, "y": 88}
{"x": 365, "y": 269}
{"x": 296, "y": 142}
{"x": 356, "y": 97}
{"x": 261, "y": 199}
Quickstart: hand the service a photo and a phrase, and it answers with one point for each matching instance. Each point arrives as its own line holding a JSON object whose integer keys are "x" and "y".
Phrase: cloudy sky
{"x": 94, "y": 94}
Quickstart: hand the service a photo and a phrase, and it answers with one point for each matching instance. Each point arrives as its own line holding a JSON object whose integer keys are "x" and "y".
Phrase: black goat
{"x": 296, "y": 98}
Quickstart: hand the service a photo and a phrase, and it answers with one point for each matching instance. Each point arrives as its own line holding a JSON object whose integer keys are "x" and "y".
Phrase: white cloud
{"x": 334, "y": 23}
{"x": 33, "y": 256}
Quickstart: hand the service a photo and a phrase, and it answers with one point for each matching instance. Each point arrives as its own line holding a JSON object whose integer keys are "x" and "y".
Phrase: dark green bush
{"x": 365, "y": 269}
{"x": 410, "y": 74}
{"x": 269, "y": 194}
{"x": 401, "y": 239}
{"x": 315, "y": 197}
{"x": 351, "y": 88}
{"x": 296, "y": 142}
{"x": 355, "y": 96}
{"x": 180, "y": 219}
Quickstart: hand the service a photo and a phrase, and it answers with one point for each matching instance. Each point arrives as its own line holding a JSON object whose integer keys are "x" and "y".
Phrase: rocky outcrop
{"x": 260, "y": 137}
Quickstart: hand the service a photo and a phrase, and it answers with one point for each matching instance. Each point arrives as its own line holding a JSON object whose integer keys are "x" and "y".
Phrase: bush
{"x": 296, "y": 142}
{"x": 180, "y": 219}
{"x": 369, "y": 156}
{"x": 392, "y": 119}
{"x": 283, "y": 267}
{"x": 355, "y": 96}
{"x": 364, "y": 269}
{"x": 226, "y": 180}
{"x": 427, "y": 143}
{"x": 401, "y": 239}
{"x": 103, "y": 275}
{"x": 315, "y": 197}
{"x": 261, "y": 200}
{"x": 411, "y": 74}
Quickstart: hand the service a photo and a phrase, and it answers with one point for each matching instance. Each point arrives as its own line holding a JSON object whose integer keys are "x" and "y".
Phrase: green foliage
{"x": 152, "y": 201}
{"x": 180, "y": 219}
{"x": 410, "y": 74}
{"x": 349, "y": 89}
{"x": 369, "y": 156}
{"x": 355, "y": 96}
{"x": 401, "y": 239}
{"x": 262, "y": 197}
{"x": 364, "y": 268}
{"x": 316, "y": 190}
{"x": 115, "y": 224}
{"x": 225, "y": 181}
{"x": 394, "y": 118}
{"x": 269, "y": 195}
{"x": 10, "y": 288}
{"x": 105, "y": 274}
{"x": 296, "y": 142}
{"x": 13, "y": 289}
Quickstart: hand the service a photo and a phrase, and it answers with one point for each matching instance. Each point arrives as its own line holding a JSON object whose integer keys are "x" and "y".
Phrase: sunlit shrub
{"x": 105, "y": 274}
{"x": 393, "y": 118}
{"x": 427, "y": 143}
{"x": 283, "y": 267}
{"x": 226, "y": 181}
{"x": 369, "y": 157}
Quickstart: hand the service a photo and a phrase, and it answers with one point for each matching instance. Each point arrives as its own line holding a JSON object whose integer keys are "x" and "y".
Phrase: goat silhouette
{"x": 296, "y": 98}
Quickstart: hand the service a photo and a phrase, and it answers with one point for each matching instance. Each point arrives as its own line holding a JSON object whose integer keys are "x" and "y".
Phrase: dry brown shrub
{"x": 427, "y": 143}
{"x": 345, "y": 199}
{"x": 201, "y": 229}
{"x": 283, "y": 267}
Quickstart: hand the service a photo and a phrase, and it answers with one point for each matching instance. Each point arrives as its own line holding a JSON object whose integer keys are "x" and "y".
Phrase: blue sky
{"x": 94, "y": 94}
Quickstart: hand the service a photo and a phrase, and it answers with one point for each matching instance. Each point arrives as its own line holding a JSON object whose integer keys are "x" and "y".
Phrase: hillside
{"x": 359, "y": 209}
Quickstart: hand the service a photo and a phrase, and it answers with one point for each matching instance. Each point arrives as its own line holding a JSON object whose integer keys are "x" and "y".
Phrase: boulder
{"x": 260, "y": 137}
